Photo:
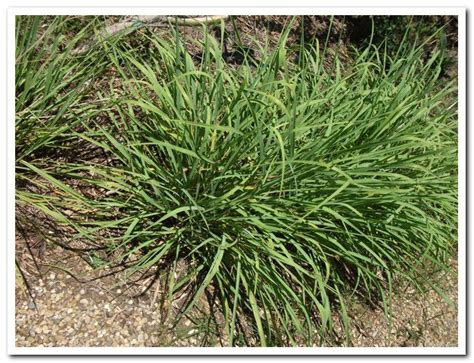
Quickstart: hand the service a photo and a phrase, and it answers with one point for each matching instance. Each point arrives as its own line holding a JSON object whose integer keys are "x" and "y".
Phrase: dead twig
{"x": 150, "y": 20}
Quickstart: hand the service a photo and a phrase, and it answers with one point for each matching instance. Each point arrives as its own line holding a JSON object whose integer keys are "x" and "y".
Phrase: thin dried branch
{"x": 150, "y": 20}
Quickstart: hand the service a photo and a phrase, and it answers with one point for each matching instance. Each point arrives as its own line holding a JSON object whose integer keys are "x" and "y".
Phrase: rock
{"x": 57, "y": 318}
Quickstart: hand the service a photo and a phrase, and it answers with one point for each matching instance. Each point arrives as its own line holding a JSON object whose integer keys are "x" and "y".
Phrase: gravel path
{"x": 70, "y": 313}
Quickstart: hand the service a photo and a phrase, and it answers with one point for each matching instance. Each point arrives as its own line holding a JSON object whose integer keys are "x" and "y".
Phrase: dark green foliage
{"x": 282, "y": 186}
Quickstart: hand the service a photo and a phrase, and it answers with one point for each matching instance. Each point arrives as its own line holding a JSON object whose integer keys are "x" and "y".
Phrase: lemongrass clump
{"x": 283, "y": 184}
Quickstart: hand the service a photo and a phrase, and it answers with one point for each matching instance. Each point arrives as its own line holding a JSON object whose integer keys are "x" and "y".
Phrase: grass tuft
{"x": 282, "y": 185}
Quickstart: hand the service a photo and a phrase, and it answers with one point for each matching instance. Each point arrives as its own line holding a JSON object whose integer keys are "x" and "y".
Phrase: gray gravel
{"x": 70, "y": 313}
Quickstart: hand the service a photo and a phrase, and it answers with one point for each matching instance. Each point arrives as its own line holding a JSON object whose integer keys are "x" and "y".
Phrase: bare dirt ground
{"x": 69, "y": 313}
